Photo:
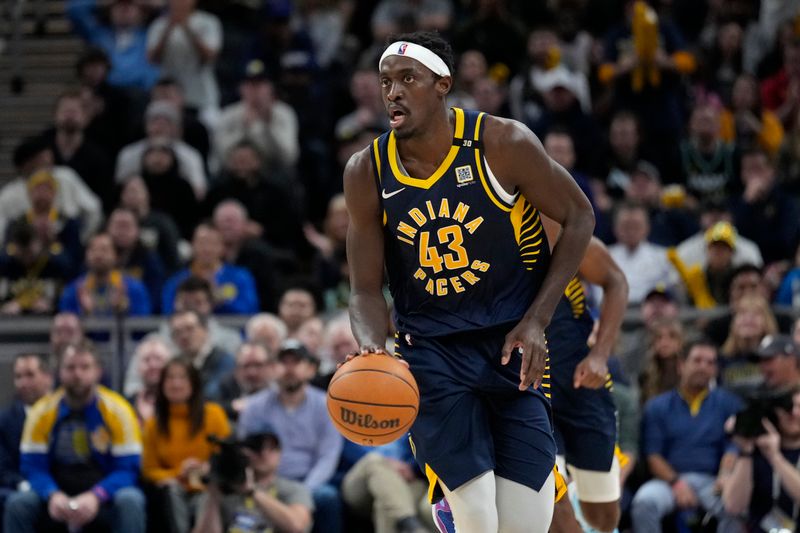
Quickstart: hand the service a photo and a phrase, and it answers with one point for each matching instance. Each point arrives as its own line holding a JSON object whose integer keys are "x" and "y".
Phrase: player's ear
{"x": 443, "y": 85}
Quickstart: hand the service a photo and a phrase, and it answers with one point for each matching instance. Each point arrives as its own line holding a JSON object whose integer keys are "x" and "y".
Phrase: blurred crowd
{"x": 193, "y": 170}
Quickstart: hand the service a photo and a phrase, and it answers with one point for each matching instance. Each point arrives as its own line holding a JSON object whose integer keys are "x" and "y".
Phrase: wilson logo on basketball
{"x": 352, "y": 418}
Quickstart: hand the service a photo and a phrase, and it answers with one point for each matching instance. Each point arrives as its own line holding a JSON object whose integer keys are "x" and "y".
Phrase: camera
{"x": 759, "y": 405}
{"x": 228, "y": 465}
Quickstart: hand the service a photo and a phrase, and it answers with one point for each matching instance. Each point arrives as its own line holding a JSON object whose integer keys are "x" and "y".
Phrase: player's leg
{"x": 598, "y": 494}
{"x": 472, "y": 504}
{"x": 564, "y": 520}
{"x": 522, "y": 509}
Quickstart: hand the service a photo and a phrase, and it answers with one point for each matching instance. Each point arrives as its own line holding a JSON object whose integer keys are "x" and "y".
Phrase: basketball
{"x": 373, "y": 399}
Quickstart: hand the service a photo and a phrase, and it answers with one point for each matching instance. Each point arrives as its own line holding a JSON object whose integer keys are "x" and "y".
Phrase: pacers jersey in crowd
{"x": 461, "y": 252}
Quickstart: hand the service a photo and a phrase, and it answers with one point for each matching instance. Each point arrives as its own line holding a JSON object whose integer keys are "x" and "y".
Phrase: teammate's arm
{"x": 599, "y": 268}
{"x": 520, "y": 163}
{"x": 369, "y": 314}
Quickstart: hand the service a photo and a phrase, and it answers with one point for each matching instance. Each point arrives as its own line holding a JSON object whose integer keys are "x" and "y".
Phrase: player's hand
{"x": 366, "y": 350}
{"x": 528, "y": 335}
{"x": 684, "y": 495}
{"x": 591, "y": 373}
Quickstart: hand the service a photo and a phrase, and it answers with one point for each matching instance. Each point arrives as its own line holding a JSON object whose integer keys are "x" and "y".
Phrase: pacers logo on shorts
{"x": 445, "y": 266}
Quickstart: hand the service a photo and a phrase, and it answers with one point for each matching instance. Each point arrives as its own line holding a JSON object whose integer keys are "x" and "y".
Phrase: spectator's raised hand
{"x": 770, "y": 442}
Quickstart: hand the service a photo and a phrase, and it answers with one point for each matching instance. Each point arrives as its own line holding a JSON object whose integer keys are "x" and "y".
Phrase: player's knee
{"x": 564, "y": 520}
{"x": 601, "y": 516}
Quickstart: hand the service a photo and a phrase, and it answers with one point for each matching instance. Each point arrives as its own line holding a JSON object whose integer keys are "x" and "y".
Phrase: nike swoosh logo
{"x": 386, "y": 195}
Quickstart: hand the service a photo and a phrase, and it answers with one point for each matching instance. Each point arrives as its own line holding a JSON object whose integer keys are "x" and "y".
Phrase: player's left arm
{"x": 599, "y": 268}
{"x": 519, "y": 161}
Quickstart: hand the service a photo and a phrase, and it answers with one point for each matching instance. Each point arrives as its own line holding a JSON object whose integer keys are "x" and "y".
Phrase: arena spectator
{"x": 266, "y": 329}
{"x": 104, "y": 290}
{"x": 471, "y": 68}
{"x": 72, "y": 148}
{"x": 330, "y": 259}
{"x": 270, "y": 501}
{"x": 625, "y": 150}
{"x": 494, "y": 31}
{"x": 242, "y": 250}
{"x": 685, "y": 444}
{"x": 762, "y": 213}
{"x": 779, "y": 92}
{"x": 723, "y": 59}
{"x": 118, "y": 29}
{"x": 694, "y": 250}
{"x": 765, "y": 477}
{"x": 273, "y": 207}
{"x": 163, "y": 128}
{"x": 77, "y": 478}
{"x": 169, "y": 192}
{"x": 256, "y": 369}
{"x": 156, "y": 229}
{"x": 133, "y": 258}
{"x": 310, "y": 443}
{"x": 66, "y": 330}
{"x": 149, "y": 358}
{"x": 707, "y": 158}
{"x": 184, "y": 42}
{"x": 33, "y": 378}
{"x": 779, "y": 362}
{"x": 233, "y": 287}
{"x": 193, "y": 132}
{"x": 752, "y": 321}
{"x": 394, "y": 16}
{"x": 190, "y": 334}
{"x": 260, "y": 118}
{"x": 73, "y": 198}
{"x": 297, "y": 304}
{"x": 32, "y": 273}
{"x": 745, "y": 124}
{"x": 369, "y": 113}
{"x": 660, "y": 362}
{"x": 176, "y": 449}
{"x": 337, "y": 343}
{"x": 310, "y": 334}
{"x": 645, "y": 264}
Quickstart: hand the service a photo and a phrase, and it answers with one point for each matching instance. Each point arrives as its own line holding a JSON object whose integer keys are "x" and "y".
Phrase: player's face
{"x": 411, "y": 93}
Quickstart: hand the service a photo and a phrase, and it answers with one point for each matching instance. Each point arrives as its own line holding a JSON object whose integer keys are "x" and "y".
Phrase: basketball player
{"x": 584, "y": 414}
{"x": 449, "y": 202}
{"x": 583, "y": 410}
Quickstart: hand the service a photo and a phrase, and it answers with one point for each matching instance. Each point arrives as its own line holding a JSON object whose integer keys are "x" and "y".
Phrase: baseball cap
{"x": 255, "y": 70}
{"x": 722, "y": 232}
{"x": 773, "y": 345}
{"x": 255, "y": 441}
{"x": 42, "y": 177}
{"x": 557, "y": 77}
{"x": 293, "y": 347}
{"x": 660, "y": 291}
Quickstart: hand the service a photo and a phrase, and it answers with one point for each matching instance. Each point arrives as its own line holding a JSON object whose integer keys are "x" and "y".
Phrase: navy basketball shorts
{"x": 473, "y": 418}
{"x": 585, "y": 420}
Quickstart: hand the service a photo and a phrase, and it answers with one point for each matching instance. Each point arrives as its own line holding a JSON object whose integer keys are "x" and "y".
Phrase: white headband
{"x": 420, "y": 53}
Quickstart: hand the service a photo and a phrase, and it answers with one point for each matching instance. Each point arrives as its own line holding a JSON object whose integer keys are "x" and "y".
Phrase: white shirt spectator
{"x": 693, "y": 251}
{"x": 276, "y": 138}
{"x": 645, "y": 267}
{"x": 73, "y": 198}
{"x": 181, "y": 61}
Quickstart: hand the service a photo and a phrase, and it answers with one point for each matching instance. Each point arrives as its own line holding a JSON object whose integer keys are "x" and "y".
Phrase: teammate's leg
{"x": 522, "y": 509}
{"x": 564, "y": 520}
{"x": 473, "y": 505}
{"x": 598, "y": 494}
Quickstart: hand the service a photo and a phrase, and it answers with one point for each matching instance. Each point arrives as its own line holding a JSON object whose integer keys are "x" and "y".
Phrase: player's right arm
{"x": 369, "y": 314}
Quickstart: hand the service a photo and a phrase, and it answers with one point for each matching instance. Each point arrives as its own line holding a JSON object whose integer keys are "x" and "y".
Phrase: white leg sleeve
{"x": 473, "y": 504}
{"x": 523, "y": 510}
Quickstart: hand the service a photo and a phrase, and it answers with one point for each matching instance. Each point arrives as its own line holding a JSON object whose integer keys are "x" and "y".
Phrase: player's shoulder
{"x": 359, "y": 165}
{"x": 503, "y": 132}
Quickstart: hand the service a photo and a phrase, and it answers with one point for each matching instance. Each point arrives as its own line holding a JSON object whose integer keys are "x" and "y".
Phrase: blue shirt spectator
{"x": 124, "y": 40}
{"x": 128, "y": 296}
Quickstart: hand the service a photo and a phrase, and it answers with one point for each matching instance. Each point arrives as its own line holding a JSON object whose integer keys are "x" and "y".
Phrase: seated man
{"x": 190, "y": 335}
{"x": 233, "y": 287}
{"x": 269, "y": 502}
{"x": 104, "y": 290}
{"x": 684, "y": 441}
{"x": 32, "y": 380}
{"x": 256, "y": 369}
{"x": 80, "y": 452}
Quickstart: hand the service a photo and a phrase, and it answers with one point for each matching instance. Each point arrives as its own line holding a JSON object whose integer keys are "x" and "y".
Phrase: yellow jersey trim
{"x": 479, "y": 163}
{"x": 426, "y": 183}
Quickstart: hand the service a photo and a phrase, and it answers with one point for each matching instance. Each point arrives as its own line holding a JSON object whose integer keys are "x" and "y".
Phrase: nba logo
{"x": 402, "y": 50}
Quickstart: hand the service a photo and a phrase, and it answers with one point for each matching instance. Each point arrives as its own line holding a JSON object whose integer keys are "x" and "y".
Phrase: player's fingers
{"x": 508, "y": 347}
{"x": 525, "y": 378}
{"x": 577, "y": 378}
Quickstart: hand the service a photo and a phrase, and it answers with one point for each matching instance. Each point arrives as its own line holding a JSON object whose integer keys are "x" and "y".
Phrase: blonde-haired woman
{"x": 752, "y": 320}
{"x": 665, "y": 343}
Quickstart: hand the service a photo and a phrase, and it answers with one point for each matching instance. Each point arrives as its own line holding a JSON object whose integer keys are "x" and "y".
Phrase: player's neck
{"x": 432, "y": 142}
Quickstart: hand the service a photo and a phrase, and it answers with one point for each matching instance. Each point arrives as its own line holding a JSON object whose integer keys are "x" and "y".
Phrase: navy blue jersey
{"x": 570, "y": 326}
{"x": 461, "y": 253}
